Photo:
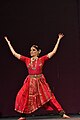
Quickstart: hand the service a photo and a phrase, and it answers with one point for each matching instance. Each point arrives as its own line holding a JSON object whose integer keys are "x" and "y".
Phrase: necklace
{"x": 34, "y": 62}
{"x": 34, "y": 58}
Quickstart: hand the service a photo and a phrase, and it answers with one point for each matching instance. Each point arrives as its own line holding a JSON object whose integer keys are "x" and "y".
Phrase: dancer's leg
{"x": 54, "y": 104}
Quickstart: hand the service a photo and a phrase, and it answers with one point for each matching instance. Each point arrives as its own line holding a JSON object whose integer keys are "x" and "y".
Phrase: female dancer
{"x": 35, "y": 91}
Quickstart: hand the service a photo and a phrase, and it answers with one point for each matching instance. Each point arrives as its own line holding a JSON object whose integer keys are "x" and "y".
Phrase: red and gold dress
{"x": 35, "y": 91}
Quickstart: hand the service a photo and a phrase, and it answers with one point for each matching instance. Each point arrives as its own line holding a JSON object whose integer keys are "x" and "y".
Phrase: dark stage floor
{"x": 73, "y": 117}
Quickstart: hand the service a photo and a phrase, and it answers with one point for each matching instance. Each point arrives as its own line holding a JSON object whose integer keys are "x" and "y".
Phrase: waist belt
{"x": 35, "y": 76}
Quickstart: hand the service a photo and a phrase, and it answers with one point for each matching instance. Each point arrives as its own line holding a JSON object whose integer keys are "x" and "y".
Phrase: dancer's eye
{"x": 34, "y": 50}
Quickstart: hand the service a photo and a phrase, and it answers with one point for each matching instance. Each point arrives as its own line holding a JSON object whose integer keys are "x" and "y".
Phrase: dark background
{"x": 38, "y": 22}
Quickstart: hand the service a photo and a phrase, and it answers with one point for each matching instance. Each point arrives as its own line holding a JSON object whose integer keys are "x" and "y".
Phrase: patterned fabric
{"x": 35, "y": 91}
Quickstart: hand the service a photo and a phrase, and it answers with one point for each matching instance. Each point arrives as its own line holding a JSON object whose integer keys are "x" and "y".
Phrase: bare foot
{"x": 22, "y": 118}
{"x": 65, "y": 116}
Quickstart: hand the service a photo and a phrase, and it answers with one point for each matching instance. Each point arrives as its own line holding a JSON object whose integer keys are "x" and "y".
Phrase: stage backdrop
{"x": 38, "y": 22}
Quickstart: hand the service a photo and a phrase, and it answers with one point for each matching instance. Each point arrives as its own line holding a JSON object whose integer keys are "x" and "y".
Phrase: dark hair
{"x": 35, "y": 46}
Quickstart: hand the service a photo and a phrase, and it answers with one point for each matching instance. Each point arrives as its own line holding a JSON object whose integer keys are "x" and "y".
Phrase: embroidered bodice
{"x": 34, "y": 67}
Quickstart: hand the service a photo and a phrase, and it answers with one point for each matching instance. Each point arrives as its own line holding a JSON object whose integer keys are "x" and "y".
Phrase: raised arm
{"x": 11, "y": 48}
{"x": 60, "y": 35}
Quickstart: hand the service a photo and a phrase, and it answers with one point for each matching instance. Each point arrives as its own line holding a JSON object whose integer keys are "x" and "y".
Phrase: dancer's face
{"x": 33, "y": 52}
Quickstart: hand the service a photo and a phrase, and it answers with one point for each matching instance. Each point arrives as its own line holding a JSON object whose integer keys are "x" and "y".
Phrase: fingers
{"x": 61, "y": 34}
{"x": 5, "y": 37}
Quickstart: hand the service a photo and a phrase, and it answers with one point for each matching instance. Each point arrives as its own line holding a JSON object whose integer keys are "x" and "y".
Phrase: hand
{"x": 60, "y": 35}
{"x": 7, "y": 39}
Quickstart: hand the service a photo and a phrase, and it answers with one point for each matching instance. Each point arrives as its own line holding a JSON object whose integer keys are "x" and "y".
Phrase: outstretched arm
{"x": 11, "y": 48}
{"x": 60, "y": 35}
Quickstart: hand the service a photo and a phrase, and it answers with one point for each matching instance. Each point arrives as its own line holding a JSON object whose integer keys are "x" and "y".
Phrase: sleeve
{"x": 23, "y": 58}
{"x": 44, "y": 58}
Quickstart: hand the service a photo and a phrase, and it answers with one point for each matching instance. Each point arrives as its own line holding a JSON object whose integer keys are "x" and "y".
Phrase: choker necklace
{"x": 34, "y": 58}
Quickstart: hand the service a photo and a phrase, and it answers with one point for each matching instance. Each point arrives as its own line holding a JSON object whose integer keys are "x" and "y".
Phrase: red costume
{"x": 35, "y": 91}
